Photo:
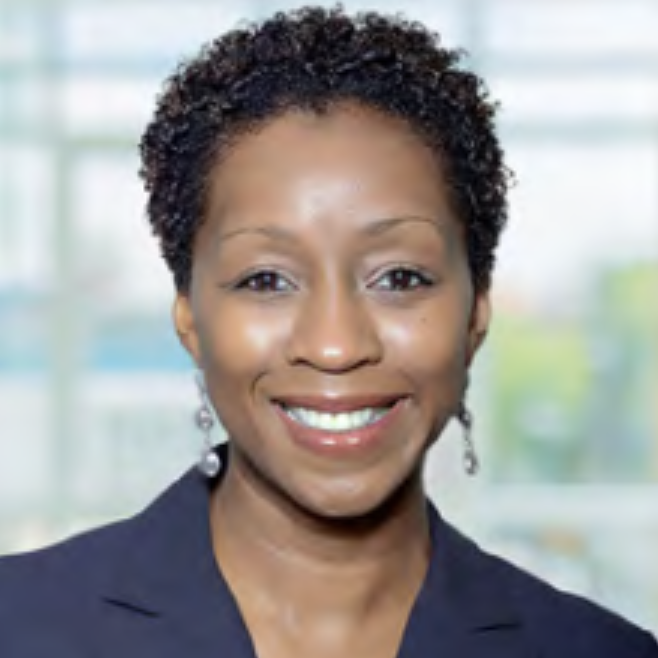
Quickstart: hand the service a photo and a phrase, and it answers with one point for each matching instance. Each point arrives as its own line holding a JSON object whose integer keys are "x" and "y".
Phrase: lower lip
{"x": 343, "y": 442}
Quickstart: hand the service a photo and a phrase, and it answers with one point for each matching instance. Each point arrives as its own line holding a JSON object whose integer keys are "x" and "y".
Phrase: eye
{"x": 402, "y": 279}
{"x": 264, "y": 281}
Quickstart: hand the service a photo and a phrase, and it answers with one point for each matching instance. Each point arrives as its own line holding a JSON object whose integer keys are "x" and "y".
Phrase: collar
{"x": 166, "y": 569}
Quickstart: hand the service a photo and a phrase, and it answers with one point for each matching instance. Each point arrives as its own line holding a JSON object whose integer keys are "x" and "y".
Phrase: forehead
{"x": 349, "y": 159}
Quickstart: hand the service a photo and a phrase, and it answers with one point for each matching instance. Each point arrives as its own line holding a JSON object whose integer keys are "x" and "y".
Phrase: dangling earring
{"x": 470, "y": 458}
{"x": 209, "y": 462}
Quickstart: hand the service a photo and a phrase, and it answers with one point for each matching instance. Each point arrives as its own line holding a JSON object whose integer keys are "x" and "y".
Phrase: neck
{"x": 280, "y": 560}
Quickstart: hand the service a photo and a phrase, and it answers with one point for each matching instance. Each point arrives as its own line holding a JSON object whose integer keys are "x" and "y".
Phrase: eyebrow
{"x": 384, "y": 225}
{"x": 274, "y": 232}
{"x": 371, "y": 229}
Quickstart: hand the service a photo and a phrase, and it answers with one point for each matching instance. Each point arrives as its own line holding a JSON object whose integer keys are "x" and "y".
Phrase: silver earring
{"x": 470, "y": 458}
{"x": 209, "y": 462}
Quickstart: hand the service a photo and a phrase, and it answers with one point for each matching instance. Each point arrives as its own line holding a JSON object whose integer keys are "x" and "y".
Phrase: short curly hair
{"x": 311, "y": 59}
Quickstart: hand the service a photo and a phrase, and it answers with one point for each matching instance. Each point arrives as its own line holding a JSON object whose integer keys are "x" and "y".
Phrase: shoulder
{"x": 93, "y": 594}
{"x": 85, "y": 564}
{"x": 61, "y": 572}
{"x": 566, "y": 624}
{"x": 498, "y": 600}
{"x": 47, "y": 597}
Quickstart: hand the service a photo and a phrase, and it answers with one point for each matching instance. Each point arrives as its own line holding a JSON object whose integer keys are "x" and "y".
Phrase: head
{"x": 328, "y": 192}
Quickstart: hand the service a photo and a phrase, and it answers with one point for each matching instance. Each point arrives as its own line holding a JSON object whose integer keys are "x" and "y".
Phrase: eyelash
{"x": 422, "y": 279}
{"x": 247, "y": 283}
{"x": 272, "y": 281}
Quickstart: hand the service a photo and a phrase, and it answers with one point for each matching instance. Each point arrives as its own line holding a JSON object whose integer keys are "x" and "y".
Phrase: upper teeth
{"x": 335, "y": 422}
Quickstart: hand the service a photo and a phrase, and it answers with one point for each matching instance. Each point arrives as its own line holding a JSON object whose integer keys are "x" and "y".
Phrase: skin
{"x": 297, "y": 288}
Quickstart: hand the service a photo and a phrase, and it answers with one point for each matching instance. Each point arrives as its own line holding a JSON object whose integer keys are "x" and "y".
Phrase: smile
{"x": 340, "y": 427}
{"x": 338, "y": 422}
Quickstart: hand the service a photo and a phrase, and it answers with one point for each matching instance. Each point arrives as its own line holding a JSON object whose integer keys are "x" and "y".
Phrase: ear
{"x": 183, "y": 317}
{"x": 479, "y": 324}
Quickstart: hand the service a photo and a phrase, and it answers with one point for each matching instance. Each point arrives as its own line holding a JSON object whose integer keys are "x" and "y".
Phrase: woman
{"x": 328, "y": 192}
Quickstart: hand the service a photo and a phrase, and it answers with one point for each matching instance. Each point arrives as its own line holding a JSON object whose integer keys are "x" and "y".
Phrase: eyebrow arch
{"x": 371, "y": 229}
{"x": 274, "y": 232}
{"x": 383, "y": 225}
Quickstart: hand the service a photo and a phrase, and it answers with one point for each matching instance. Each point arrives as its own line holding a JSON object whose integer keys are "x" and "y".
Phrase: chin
{"x": 345, "y": 510}
{"x": 353, "y": 501}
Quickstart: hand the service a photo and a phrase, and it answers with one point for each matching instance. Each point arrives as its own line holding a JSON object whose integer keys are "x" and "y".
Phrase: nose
{"x": 334, "y": 331}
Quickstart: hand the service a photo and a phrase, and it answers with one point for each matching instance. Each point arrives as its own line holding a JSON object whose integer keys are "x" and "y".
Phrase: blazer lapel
{"x": 465, "y": 607}
{"x": 166, "y": 594}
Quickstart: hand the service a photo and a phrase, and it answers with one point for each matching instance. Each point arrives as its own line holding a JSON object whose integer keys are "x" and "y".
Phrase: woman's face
{"x": 331, "y": 308}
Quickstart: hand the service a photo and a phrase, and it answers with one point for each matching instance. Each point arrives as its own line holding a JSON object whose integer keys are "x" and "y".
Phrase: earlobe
{"x": 480, "y": 319}
{"x": 183, "y": 318}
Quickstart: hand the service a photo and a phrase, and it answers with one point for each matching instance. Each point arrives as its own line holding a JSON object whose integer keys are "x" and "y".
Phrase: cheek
{"x": 241, "y": 341}
{"x": 238, "y": 344}
{"x": 427, "y": 339}
{"x": 430, "y": 349}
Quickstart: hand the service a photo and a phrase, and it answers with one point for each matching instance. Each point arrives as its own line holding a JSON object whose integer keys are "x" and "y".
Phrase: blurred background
{"x": 96, "y": 396}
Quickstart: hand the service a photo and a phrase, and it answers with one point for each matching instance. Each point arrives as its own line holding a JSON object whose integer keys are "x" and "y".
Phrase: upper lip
{"x": 338, "y": 404}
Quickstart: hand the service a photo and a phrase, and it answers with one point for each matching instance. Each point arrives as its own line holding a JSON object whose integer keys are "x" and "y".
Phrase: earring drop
{"x": 470, "y": 458}
{"x": 209, "y": 462}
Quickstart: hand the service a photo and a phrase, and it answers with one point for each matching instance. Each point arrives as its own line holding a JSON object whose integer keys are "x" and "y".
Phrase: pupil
{"x": 401, "y": 278}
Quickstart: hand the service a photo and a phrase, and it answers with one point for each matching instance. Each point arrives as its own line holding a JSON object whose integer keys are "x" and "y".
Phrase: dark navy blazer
{"x": 149, "y": 587}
